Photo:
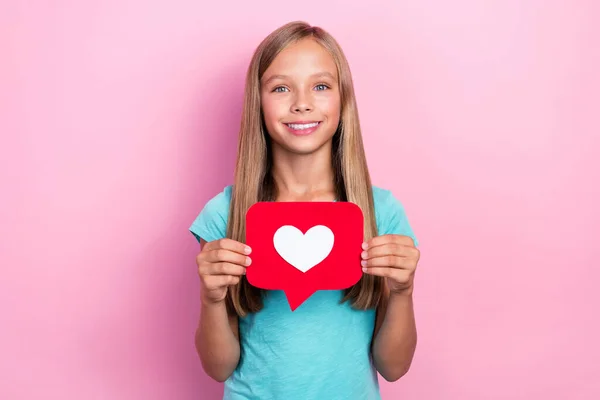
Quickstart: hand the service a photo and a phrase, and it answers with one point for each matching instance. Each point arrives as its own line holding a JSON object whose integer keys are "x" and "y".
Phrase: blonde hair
{"x": 253, "y": 181}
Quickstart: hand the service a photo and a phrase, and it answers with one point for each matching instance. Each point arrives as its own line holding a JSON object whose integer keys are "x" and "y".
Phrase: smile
{"x": 301, "y": 127}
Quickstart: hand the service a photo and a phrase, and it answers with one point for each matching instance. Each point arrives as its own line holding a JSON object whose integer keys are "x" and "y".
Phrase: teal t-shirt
{"x": 320, "y": 351}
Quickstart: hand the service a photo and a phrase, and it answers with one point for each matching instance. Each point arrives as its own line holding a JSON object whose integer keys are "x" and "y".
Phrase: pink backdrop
{"x": 119, "y": 121}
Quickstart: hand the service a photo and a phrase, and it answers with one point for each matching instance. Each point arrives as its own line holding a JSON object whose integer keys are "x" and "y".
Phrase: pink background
{"x": 119, "y": 120}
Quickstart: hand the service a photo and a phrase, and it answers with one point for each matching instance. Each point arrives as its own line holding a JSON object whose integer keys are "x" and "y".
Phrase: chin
{"x": 304, "y": 151}
{"x": 306, "y": 148}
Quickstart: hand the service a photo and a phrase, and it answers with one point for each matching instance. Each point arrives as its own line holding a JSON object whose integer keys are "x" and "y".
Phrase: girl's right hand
{"x": 221, "y": 263}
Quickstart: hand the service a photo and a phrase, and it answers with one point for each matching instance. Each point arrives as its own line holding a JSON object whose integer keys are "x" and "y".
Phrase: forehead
{"x": 302, "y": 59}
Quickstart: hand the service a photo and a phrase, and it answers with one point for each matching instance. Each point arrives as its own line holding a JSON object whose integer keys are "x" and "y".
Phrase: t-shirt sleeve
{"x": 395, "y": 220}
{"x": 211, "y": 222}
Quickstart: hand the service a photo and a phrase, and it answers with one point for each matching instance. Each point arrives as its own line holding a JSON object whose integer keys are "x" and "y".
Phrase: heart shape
{"x": 303, "y": 251}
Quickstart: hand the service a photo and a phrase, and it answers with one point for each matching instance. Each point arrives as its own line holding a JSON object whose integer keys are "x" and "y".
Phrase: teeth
{"x": 300, "y": 127}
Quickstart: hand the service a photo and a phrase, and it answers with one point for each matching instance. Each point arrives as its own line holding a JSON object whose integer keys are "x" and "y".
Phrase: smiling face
{"x": 300, "y": 98}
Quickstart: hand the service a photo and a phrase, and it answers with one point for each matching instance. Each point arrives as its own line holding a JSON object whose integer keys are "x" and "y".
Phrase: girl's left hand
{"x": 394, "y": 257}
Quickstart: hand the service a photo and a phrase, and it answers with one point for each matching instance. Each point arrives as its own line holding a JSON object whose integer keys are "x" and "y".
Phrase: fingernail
{"x": 363, "y": 254}
{"x": 364, "y": 270}
{"x": 247, "y": 250}
{"x": 365, "y": 245}
{"x": 248, "y": 261}
{"x": 364, "y": 264}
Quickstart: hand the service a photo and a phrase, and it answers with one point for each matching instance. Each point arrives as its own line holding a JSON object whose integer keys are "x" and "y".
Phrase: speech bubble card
{"x": 302, "y": 247}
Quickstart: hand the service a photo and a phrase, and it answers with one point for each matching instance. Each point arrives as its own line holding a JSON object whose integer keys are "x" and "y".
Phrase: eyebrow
{"x": 318, "y": 74}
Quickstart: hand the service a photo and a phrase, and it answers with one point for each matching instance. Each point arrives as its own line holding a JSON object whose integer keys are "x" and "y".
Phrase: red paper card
{"x": 302, "y": 247}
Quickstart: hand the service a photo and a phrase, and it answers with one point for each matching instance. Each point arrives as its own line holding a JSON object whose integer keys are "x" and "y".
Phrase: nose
{"x": 302, "y": 103}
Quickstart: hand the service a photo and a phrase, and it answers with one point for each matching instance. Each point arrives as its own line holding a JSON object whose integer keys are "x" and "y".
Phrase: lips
{"x": 302, "y": 127}
{"x": 302, "y": 124}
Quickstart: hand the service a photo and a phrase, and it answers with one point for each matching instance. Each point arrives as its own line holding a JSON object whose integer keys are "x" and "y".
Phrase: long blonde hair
{"x": 253, "y": 181}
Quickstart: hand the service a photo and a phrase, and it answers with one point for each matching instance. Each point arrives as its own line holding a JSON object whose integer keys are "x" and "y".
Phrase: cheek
{"x": 330, "y": 105}
{"x": 272, "y": 110}
{"x": 333, "y": 111}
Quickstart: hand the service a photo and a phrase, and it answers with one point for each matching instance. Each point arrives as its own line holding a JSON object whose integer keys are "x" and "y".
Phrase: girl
{"x": 300, "y": 140}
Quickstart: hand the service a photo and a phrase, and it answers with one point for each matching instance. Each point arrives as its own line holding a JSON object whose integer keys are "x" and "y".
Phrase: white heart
{"x": 303, "y": 251}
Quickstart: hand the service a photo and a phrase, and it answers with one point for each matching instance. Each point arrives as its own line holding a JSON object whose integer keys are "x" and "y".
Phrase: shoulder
{"x": 390, "y": 214}
{"x": 211, "y": 222}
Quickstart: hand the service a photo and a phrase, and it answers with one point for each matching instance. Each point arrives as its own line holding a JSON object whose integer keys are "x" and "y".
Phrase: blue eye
{"x": 277, "y": 89}
{"x": 323, "y": 86}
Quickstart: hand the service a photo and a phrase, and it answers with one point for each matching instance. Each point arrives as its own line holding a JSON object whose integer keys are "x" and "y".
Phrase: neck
{"x": 304, "y": 177}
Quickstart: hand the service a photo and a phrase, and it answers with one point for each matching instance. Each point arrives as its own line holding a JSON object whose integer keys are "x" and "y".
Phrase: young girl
{"x": 300, "y": 140}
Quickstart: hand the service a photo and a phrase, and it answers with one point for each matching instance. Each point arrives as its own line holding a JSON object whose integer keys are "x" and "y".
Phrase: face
{"x": 300, "y": 98}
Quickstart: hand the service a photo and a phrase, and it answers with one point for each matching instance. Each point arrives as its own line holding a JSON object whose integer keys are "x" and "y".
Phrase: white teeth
{"x": 300, "y": 127}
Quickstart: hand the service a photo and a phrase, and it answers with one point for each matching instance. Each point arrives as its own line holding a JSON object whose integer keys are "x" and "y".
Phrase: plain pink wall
{"x": 119, "y": 120}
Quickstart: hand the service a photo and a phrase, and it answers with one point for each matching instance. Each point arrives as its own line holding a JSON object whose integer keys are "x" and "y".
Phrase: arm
{"x": 217, "y": 341}
{"x": 395, "y": 258}
{"x": 217, "y": 336}
{"x": 395, "y": 336}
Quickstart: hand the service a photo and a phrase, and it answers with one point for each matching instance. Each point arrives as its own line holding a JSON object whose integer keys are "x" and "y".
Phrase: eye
{"x": 322, "y": 86}
{"x": 279, "y": 87}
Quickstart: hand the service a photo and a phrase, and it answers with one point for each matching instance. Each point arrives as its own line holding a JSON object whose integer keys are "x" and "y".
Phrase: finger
{"x": 213, "y": 282}
{"x": 387, "y": 249}
{"x": 222, "y": 268}
{"x": 228, "y": 244}
{"x": 386, "y": 261}
{"x": 398, "y": 275}
{"x": 228, "y": 256}
{"x": 383, "y": 239}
